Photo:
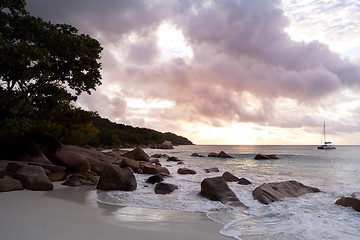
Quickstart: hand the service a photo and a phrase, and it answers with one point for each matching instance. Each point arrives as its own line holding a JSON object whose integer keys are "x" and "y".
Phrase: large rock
{"x": 9, "y": 184}
{"x": 133, "y": 164}
{"x": 165, "y": 188}
{"x": 97, "y": 167}
{"x": 271, "y": 192}
{"x": 137, "y": 154}
{"x": 165, "y": 145}
{"x": 115, "y": 178}
{"x": 73, "y": 161}
{"x": 185, "y": 171}
{"x": 229, "y": 177}
{"x": 149, "y": 168}
{"x": 197, "y": 155}
{"x": 33, "y": 178}
{"x": 216, "y": 189}
{"x": 349, "y": 202}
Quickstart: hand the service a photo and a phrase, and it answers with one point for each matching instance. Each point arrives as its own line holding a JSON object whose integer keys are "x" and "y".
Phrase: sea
{"x": 312, "y": 216}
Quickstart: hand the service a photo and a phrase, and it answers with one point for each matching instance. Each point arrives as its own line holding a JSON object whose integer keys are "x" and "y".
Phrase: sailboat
{"x": 326, "y": 145}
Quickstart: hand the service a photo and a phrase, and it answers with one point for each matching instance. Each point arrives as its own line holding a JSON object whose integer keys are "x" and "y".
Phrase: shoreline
{"x": 73, "y": 213}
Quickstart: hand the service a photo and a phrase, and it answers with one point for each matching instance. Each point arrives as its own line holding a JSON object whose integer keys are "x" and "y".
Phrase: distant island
{"x": 115, "y": 134}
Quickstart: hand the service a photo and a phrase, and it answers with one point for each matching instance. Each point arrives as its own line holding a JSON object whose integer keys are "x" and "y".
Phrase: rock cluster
{"x": 221, "y": 154}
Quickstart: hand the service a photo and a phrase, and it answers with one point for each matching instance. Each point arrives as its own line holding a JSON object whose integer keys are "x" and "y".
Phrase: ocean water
{"x": 312, "y": 216}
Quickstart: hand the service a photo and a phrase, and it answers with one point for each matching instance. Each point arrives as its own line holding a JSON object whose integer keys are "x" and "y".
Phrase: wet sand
{"x": 72, "y": 213}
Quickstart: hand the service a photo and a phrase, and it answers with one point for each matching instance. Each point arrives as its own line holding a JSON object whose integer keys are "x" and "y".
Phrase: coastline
{"x": 73, "y": 213}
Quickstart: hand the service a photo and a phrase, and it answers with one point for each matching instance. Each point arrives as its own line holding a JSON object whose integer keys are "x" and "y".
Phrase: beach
{"x": 73, "y": 213}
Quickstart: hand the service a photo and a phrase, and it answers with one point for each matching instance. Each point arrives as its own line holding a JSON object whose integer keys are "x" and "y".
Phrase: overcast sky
{"x": 227, "y": 71}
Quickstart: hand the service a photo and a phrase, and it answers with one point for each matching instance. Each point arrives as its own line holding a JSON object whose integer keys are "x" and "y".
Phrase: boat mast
{"x": 324, "y": 133}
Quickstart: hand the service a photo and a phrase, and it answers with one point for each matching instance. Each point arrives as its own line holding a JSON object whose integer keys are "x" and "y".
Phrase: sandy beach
{"x": 72, "y": 213}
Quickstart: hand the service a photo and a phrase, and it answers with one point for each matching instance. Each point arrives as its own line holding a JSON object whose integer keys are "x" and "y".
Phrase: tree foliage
{"x": 43, "y": 68}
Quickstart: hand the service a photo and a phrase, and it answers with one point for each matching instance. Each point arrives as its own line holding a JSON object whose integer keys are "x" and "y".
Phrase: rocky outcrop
{"x": 137, "y": 154}
{"x": 349, "y": 202}
{"x": 80, "y": 179}
{"x": 271, "y": 192}
{"x": 185, "y": 171}
{"x": 244, "y": 181}
{"x": 155, "y": 179}
{"x": 165, "y": 188}
{"x": 216, "y": 189}
{"x": 8, "y": 184}
{"x": 210, "y": 170}
{"x": 229, "y": 177}
{"x": 264, "y": 157}
{"x": 33, "y": 178}
{"x": 115, "y": 178}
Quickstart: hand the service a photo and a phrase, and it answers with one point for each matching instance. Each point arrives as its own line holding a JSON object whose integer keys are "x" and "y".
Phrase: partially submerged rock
{"x": 115, "y": 178}
{"x": 197, "y": 155}
{"x": 271, "y": 192}
{"x": 155, "y": 179}
{"x": 264, "y": 157}
{"x": 186, "y": 171}
{"x": 244, "y": 181}
{"x": 216, "y": 189}
{"x": 229, "y": 177}
{"x": 149, "y": 168}
{"x": 165, "y": 188}
{"x": 349, "y": 202}
{"x": 210, "y": 170}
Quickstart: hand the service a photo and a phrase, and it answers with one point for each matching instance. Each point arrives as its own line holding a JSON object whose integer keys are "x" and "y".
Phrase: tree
{"x": 44, "y": 67}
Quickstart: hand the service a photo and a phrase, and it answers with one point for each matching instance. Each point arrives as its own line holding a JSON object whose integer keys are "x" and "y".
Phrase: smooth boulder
{"x": 229, "y": 177}
{"x": 165, "y": 188}
{"x": 155, "y": 179}
{"x": 216, "y": 189}
{"x": 115, "y": 178}
{"x": 137, "y": 154}
{"x": 185, "y": 171}
{"x": 210, "y": 170}
{"x": 244, "y": 181}
{"x": 271, "y": 192}
{"x": 8, "y": 184}
{"x": 149, "y": 168}
{"x": 73, "y": 161}
{"x": 33, "y": 178}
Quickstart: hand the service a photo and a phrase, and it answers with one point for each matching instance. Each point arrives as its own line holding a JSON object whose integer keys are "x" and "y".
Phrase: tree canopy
{"x": 44, "y": 67}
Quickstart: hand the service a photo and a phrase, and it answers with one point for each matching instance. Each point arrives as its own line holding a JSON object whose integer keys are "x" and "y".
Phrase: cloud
{"x": 244, "y": 67}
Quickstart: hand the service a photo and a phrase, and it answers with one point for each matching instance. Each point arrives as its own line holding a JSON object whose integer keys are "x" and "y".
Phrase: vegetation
{"x": 114, "y": 134}
{"x": 44, "y": 67}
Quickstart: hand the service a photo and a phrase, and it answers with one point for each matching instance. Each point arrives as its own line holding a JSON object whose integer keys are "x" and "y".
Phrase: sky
{"x": 224, "y": 72}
